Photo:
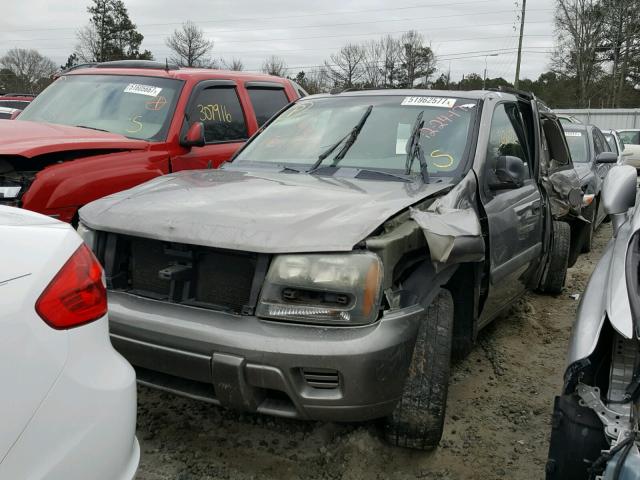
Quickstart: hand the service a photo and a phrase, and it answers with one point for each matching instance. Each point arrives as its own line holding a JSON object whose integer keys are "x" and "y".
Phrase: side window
{"x": 505, "y": 137}
{"x": 559, "y": 155}
{"x": 601, "y": 141}
{"x": 219, "y": 109}
{"x": 630, "y": 138}
{"x": 597, "y": 142}
{"x": 266, "y": 102}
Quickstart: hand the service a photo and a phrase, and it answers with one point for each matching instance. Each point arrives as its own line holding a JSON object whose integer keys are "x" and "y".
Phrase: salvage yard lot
{"x": 498, "y": 416}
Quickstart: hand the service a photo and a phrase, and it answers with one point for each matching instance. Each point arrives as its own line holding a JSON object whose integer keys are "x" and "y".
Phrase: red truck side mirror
{"x": 15, "y": 114}
{"x": 194, "y": 136}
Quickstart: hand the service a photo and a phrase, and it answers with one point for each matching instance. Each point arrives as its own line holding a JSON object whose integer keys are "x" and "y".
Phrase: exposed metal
{"x": 451, "y": 226}
{"x": 614, "y": 425}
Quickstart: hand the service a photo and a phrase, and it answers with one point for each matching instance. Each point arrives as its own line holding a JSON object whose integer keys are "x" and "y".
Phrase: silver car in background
{"x": 595, "y": 421}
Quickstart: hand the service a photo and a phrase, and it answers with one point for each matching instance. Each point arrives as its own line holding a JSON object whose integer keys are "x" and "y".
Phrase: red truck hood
{"x": 30, "y": 139}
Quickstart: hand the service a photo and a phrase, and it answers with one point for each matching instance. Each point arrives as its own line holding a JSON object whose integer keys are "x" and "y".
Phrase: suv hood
{"x": 30, "y": 139}
{"x": 258, "y": 211}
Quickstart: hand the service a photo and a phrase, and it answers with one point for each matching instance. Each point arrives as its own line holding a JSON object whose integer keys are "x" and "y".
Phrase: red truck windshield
{"x": 133, "y": 106}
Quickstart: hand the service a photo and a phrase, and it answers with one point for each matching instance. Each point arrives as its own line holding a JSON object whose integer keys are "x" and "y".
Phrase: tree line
{"x": 595, "y": 61}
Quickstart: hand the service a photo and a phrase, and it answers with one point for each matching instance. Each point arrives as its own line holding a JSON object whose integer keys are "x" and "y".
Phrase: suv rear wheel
{"x": 418, "y": 419}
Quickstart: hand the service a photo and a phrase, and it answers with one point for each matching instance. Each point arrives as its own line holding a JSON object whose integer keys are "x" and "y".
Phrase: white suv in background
{"x": 68, "y": 400}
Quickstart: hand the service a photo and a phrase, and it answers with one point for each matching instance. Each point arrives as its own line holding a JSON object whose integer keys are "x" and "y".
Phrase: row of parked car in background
{"x": 315, "y": 257}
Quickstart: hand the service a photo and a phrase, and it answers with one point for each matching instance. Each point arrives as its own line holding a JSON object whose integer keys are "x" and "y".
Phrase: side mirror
{"x": 510, "y": 172}
{"x": 619, "y": 194}
{"x": 607, "y": 157}
{"x": 15, "y": 114}
{"x": 194, "y": 136}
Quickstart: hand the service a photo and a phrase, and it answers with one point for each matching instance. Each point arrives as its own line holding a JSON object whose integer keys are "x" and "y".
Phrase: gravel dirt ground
{"x": 497, "y": 427}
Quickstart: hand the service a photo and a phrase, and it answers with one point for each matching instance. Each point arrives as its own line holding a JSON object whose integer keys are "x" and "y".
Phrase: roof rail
{"x": 17, "y": 95}
{"x": 147, "y": 64}
{"x": 80, "y": 65}
{"x": 514, "y": 91}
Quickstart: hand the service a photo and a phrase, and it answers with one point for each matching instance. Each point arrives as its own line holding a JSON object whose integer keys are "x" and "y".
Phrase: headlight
{"x": 330, "y": 289}
{"x": 88, "y": 235}
{"x": 9, "y": 192}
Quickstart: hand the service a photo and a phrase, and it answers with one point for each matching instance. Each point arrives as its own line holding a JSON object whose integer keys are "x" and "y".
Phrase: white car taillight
{"x": 76, "y": 295}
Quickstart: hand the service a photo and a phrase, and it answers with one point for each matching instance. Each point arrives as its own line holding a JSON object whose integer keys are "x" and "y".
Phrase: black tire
{"x": 558, "y": 259}
{"x": 590, "y": 229}
{"x": 418, "y": 419}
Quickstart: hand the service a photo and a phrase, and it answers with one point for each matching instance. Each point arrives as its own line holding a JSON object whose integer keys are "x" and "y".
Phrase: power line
{"x": 430, "y": 18}
{"x": 280, "y": 17}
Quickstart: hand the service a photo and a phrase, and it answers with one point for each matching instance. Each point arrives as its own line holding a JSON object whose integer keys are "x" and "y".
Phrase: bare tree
{"x": 580, "y": 27}
{"x": 390, "y": 59}
{"x": 373, "y": 63}
{"x": 622, "y": 36}
{"x": 275, "y": 65}
{"x": 190, "y": 46}
{"x": 88, "y": 46}
{"x": 314, "y": 81}
{"x": 417, "y": 59}
{"x": 233, "y": 64}
{"x": 32, "y": 71}
{"x": 346, "y": 68}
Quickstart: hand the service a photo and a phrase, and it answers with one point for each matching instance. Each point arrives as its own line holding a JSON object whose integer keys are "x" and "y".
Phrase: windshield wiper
{"x": 350, "y": 140}
{"x": 414, "y": 149}
{"x": 289, "y": 169}
{"x": 92, "y": 128}
{"x": 369, "y": 171}
{"x": 384, "y": 174}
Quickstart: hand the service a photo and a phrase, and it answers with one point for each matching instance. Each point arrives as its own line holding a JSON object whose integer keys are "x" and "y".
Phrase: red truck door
{"x": 217, "y": 105}
{"x": 230, "y": 115}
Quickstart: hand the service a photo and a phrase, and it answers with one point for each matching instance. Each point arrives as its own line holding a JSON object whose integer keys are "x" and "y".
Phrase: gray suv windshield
{"x": 306, "y": 131}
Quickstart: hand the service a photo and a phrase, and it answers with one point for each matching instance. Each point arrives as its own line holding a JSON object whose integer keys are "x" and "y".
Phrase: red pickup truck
{"x": 99, "y": 130}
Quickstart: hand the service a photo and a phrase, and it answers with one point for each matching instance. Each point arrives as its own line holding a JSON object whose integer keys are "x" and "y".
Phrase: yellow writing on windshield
{"x": 214, "y": 112}
{"x": 136, "y": 124}
{"x": 439, "y": 154}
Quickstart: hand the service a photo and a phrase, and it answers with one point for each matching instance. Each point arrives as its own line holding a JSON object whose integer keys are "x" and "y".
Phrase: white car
{"x": 67, "y": 399}
{"x": 631, "y": 139}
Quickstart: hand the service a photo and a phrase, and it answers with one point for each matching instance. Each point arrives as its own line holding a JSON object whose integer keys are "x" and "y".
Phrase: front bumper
{"x": 245, "y": 363}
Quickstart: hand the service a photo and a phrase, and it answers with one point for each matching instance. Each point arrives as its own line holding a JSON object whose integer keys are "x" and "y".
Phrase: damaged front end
{"x": 13, "y": 182}
{"x": 422, "y": 248}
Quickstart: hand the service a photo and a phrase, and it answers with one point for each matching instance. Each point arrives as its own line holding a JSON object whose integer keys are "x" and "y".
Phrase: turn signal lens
{"x": 76, "y": 295}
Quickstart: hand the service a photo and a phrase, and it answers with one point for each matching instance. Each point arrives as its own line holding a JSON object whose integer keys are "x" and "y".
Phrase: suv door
{"x": 514, "y": 214}
{"x": 217, "y": 105}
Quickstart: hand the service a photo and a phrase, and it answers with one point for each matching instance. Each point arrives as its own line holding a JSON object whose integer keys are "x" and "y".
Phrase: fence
{"x": 606, "y": 118}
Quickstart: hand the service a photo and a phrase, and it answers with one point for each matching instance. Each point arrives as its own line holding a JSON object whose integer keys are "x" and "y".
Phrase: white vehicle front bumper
{"x": 85, "y": 426}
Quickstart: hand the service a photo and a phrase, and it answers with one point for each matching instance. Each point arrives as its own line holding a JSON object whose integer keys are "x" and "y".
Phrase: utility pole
{"x": 524, "y": 8}
{"x": 484, "y": 78}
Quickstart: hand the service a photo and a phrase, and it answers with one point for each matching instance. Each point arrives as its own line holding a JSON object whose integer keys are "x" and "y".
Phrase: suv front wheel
{"x": 418, "y": 419}
{"x": 558, "y": 259}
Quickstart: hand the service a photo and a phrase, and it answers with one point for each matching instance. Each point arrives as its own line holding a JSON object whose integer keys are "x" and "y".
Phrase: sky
{"x": 461, "y": 32}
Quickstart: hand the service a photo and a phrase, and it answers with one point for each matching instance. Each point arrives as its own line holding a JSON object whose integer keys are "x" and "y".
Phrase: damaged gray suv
{"x": 332, "y": 268}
